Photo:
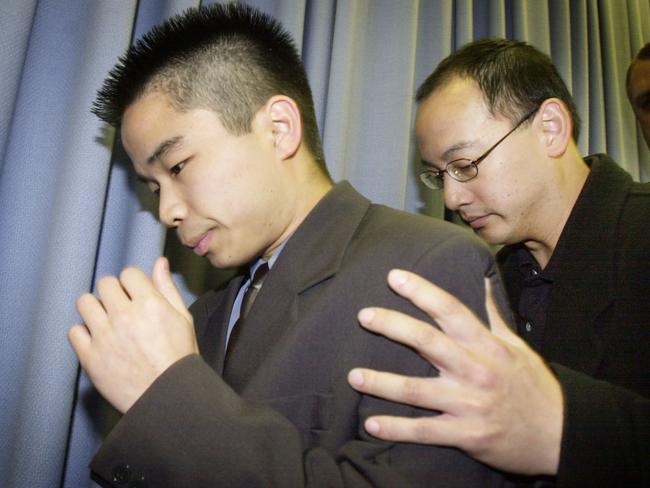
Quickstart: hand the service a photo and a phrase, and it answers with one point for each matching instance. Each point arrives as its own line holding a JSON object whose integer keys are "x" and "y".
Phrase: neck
{"x": 308, "y": 186}
{"x": 564, "y": 190}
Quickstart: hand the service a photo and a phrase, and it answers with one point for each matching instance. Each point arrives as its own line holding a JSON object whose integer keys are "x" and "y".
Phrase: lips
{"x": 201, "y": 244}
{"x": 477, "y": 221}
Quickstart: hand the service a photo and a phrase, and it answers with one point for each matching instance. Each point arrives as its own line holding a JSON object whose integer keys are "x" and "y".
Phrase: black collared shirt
{"x": 533, "y": 301}
{"x": 535, "y": 284}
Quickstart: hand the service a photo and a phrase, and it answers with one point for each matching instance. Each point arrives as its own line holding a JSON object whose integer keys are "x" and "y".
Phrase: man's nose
{"x": 457, "y": 194}
{"x": 171, "y": 208}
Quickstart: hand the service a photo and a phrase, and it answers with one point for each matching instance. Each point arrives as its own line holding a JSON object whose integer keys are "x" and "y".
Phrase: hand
{"x": 134, "y": 332}
{"x": 497, "y": 399}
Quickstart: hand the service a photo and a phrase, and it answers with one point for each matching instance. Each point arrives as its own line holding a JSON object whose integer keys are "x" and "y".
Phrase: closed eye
{"x": 432, "y": 167}
{"x": 152, "y": 186}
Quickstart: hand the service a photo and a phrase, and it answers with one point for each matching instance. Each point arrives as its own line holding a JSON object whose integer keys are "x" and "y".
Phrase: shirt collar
{"x": 271, "y": 261}
{"x": 530, "y": 270}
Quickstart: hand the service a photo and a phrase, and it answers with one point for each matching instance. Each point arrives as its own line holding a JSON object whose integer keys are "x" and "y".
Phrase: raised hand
{"x": 133, "y": 332}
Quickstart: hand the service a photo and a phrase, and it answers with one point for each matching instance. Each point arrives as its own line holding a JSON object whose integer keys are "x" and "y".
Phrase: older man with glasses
{"x": 570, "y": 401}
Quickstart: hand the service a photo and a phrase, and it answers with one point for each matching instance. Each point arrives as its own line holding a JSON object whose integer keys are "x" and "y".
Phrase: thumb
{"x": 162, "y": 280}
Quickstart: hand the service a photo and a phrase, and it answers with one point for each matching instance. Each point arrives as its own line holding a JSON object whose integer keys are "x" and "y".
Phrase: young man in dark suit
{"x": 215, "y": 112}
{"x": 498, "y": 129}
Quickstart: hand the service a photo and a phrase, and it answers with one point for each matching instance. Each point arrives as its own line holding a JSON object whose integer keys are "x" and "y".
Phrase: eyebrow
{"x": 446, "y": 156}
{"x": 455, "y": 148}
{"x": 164, "y": 147}
{"x": 429, "y": 164}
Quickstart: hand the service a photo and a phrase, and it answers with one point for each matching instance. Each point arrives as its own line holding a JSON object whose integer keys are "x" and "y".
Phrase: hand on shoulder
{"x": 498, "y": 401}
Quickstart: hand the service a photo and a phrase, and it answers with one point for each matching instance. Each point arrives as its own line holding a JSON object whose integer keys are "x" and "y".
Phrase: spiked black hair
{"x": 227, "y": 58}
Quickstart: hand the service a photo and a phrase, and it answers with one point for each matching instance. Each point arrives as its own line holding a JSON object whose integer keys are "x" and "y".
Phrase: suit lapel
{"x": 312, "y": 255}
{"x": 584, "y": 283}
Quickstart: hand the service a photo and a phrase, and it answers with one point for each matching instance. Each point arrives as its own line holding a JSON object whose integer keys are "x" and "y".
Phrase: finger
{"x": 431, "y": 343}
{"x": 430, "y": 393}
{"x": 498, "y": 326}
{"x": 92, "y": 312}
{"x": 136, "y": 283}
{"x": 163, "y": 282}
{"x": 440, "y": 430}
{"x": 112, "y": 296}
{"x": 453, "y": 317}
{"x": 80, "y": 340}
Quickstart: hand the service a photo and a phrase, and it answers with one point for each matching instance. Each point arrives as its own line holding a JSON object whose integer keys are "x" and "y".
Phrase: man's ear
{"x": 286, "y": 125}
{"x": 556, "y": 126}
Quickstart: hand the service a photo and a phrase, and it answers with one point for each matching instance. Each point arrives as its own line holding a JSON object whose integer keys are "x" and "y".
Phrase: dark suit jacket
{"x": 597, "y": 335}
{"x": 286, "y": 416}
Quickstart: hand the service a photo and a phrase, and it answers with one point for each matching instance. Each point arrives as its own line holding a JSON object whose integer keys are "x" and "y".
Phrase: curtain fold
{"x": 15, "y": 27}
{"x": 72, "y": 212}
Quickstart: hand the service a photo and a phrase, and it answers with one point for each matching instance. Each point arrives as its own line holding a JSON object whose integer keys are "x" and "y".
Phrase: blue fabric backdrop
{"x": 70, "y": 211}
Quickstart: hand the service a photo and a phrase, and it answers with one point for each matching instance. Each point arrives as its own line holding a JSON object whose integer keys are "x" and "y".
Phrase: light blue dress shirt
{"x": 236, "y": 307}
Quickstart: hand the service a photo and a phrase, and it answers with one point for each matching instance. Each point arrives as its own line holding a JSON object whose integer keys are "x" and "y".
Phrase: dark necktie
{"x": 246, "y": 305}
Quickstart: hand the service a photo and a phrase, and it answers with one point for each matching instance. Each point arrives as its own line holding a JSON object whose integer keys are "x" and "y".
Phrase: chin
{"x": 226, "y": 262}
{"x": 220, "y": 262}
{"x": 492, "y": 238}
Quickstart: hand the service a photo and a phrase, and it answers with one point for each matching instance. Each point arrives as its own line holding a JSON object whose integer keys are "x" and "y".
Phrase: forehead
{"x": 454, "y": 114}
{"x": 454, "y": 99}
{"x": 153, "y": 120}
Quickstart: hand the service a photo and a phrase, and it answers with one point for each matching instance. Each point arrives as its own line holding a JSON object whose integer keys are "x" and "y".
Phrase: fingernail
{"x": 372, "y": 426}
{"x": 397, "y": 277}
{"x": 366, "y": 315}
{"x": 355, "y": 378}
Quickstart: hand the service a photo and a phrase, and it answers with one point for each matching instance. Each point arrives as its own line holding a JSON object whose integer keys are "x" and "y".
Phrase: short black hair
{"x": 227, "y": 58}
{"x": 642, "y": 55}
{"x": 514, "y": 77}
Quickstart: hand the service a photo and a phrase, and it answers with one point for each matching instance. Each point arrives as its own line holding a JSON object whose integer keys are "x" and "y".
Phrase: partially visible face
{"x": 502, "y": 203}
{"x": 639, "y": 93}
{"x": 224, "y": 194}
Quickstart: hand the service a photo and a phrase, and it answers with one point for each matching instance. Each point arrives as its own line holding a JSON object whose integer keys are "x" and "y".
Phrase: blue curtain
{"x": 70, "y": 210}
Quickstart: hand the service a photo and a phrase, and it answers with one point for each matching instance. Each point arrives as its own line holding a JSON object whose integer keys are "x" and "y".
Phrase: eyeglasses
{"x": 463, "y": 169}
